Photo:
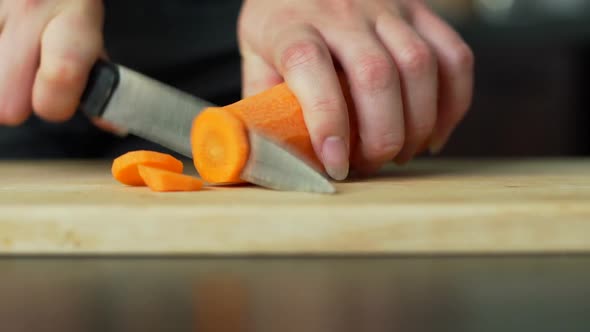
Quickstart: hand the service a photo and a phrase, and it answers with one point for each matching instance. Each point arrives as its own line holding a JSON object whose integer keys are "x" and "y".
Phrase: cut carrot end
{"x": 125, "y": 167}
{"x": 220, "y": 146}
{"x": 161, "y": 180}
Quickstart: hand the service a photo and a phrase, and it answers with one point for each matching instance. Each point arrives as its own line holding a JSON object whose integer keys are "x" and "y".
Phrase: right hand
{"x": 47, "y": 49}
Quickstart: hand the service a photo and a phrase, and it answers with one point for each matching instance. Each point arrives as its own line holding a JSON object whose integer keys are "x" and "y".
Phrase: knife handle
{"x": 102, "y": 82}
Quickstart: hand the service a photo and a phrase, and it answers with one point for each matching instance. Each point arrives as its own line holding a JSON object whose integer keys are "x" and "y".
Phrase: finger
{"x": 19, "y": 56}
{"x": 375, "y": 89}
{"x": 257, "y": 74}
{"x": 455, "y": 62}
{"x": 109, "y": 127}
{"x": 303, "y": 59}
{"x": 418, "y": 72}
{"x": 71, "y": 44}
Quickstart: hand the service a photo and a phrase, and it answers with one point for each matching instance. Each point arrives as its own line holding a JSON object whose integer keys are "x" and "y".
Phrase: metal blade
{"x": 274, "y": 167}
{"x": 154, "y": 111}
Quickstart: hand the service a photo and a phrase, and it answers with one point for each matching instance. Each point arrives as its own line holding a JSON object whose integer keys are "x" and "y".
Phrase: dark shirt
{"x": 189, "y": 44}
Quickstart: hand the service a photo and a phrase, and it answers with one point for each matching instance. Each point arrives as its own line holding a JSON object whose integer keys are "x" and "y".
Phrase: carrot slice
{"x": 125, "y": 170}
{"x": 220, "y": 146}
{"x": 162, "y": 180}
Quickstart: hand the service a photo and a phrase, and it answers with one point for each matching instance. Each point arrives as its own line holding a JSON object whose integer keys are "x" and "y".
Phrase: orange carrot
{"x": 220, "y": 147}
{"x": 125, "y": 170}
{"x": 163, "y": 180}
{"x": 275, "y": 113}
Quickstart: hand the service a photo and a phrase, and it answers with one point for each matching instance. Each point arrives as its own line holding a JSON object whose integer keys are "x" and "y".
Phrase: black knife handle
{"x": 102, "y": 82}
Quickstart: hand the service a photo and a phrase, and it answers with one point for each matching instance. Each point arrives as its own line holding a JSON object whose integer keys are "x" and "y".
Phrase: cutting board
{"x": 428, "y": 207}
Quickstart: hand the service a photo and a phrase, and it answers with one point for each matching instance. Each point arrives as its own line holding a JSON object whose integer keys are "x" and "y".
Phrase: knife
{"x": 164, "y": 115}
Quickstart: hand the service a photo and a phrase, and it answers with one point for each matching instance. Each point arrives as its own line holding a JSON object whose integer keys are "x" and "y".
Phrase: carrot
{"x": 220, "y": 146}
{"x": 124, "y": 168}
{"x": 275, "y": 113}
{"x": 163, "y": 180}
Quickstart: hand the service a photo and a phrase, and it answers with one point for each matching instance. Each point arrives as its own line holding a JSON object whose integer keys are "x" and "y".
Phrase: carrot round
{"x": 220, "y": 146}
{"x": 162, "y": 180}
{"x": 276, "y": 113}
{"x": 125, "y": 167}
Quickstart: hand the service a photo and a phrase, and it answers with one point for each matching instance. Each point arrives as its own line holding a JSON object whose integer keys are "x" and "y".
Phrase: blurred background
{"x": 532, "y": 66}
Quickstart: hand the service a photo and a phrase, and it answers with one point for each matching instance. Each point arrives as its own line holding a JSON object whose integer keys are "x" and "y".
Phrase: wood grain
{"x": 433, "y": 207}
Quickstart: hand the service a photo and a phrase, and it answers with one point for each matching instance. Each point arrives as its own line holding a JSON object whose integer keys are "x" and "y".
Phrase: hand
{"x": 47, "y": 49}
{"x": 410, "y": 74}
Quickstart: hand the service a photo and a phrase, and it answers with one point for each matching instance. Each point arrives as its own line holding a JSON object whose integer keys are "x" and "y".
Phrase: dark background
{"x": 532, "y": 66}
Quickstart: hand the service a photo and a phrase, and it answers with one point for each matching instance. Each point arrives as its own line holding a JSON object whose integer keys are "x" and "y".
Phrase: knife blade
{"x": 159, "y": 113}
{"x": 273, "y": 166}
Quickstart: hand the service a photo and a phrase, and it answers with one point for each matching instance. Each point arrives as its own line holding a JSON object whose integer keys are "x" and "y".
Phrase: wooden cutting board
{"x": 433, "y": 207}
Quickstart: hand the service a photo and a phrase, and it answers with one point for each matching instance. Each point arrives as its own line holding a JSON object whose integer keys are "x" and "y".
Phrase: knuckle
{"x": 301, "y": 54}
{"x": 416, "y": 59}
{"x": 340, "y": 8}
{"x": 30, "y": 5}
{"x": 374, "y": 73}
{"x": 327, "y": 106}
{"x": 53, "y": 110}
{"x": 64, "y": 73}
{"x": 384, "y": 146}
{"x": 462, "y": 58}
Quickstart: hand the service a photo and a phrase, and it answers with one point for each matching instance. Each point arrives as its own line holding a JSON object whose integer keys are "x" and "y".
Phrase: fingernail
{"x": 335, "y": 157}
